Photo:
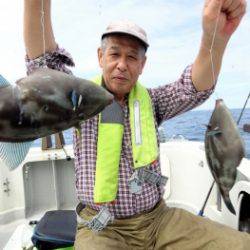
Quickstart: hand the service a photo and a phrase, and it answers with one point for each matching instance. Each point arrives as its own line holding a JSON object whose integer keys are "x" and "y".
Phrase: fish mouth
{"x": 98, "y": 110}
{"x": 218, "y": 102}
{"x": 87, "y": 116}
{"x": 102, "y": 107}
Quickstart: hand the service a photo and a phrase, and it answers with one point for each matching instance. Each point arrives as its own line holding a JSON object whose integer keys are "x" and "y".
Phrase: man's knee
{"x": 105, "y": 240}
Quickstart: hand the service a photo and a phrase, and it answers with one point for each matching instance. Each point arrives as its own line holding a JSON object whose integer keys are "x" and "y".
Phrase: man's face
{"x": 122, "y": 61}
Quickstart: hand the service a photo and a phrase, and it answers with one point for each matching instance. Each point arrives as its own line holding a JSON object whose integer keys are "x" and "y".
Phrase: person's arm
{"x": 33, "y": 28}
{"x": 54, "y": 57}
{"x": 230, "y": 14}
{"x": 178, "y": 97}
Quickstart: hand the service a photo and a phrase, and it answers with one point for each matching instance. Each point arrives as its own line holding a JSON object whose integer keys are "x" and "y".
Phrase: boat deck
{"x": 7, "y": 230}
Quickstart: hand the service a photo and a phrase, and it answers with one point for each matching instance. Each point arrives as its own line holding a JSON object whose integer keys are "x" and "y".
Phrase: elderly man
{"x": 118, "y": 177}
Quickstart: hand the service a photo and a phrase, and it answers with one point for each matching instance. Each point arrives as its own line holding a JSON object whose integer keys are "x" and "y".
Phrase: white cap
{"x": 129, "y": 28}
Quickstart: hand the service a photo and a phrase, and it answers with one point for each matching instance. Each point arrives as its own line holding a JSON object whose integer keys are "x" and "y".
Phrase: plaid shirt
{"x": 168, "y": 101}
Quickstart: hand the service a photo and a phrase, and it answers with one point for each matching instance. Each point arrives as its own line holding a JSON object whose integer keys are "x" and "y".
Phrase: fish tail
{"x": 229, "y": 204}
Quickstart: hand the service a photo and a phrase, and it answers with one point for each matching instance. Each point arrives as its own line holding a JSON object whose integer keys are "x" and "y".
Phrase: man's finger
{"x": 226, "y": 4}
{"x": 234, "y": 5}
{"x": 239, "y": 12}
{"x": 213, "y": 8}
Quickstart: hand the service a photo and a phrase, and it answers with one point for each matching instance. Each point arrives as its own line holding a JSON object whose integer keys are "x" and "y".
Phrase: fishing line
{"x": 212, "y": 65}
{"x": 211, "y": 50}
{"x": 201, "y": 212}
{"x": 68, "y": 158}
{"x": 43, "y": 32}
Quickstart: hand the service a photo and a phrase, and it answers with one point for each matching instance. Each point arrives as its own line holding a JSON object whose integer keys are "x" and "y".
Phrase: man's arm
{"x": 33, "y": 28}
{"x": 230, "y": 14}
{"x": 178, "y": 97}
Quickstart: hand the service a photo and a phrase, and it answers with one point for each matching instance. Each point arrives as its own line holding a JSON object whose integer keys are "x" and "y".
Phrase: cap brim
{"x": 145, "y": 44}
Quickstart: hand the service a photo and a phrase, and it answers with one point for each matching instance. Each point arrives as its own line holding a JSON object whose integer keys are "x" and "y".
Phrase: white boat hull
{"x": 45, "y": 181}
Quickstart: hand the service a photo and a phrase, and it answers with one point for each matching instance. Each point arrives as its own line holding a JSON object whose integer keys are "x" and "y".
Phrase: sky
{"x": 174, "y": 32}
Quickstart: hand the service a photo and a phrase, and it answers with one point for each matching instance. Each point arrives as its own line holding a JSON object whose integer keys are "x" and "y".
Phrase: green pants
{"x": 161, "y": 228}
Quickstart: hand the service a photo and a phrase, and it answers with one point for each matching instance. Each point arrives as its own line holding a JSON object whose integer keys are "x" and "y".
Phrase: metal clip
{"x": 98, "y": 222}
{"x": 143, "y": 175}
{"x": 153, "y": 177}
{"x": 163, "y": 180}
{"x": 101, "y": 220}
{"x": 135, "y": 183}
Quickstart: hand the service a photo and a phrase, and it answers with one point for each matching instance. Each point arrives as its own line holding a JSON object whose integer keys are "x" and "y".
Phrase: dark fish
{"x": 224, "y": 150}
{"x": 46, "y": 102}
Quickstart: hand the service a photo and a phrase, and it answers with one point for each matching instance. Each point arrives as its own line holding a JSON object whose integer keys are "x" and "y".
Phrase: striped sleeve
{"x": 12, "y": 154}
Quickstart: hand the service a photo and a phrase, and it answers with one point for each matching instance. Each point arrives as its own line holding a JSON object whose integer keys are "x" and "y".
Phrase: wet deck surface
{"x": 7, "y": 230}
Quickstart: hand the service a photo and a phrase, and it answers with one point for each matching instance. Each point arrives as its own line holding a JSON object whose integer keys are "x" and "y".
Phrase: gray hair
{"x": 104, "y": 44}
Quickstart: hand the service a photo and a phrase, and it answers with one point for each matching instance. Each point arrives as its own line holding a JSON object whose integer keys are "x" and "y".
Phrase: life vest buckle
{"x": 145, "y": 175}
{"x": 135, "y": 183}
{"x": 98, "y": 222}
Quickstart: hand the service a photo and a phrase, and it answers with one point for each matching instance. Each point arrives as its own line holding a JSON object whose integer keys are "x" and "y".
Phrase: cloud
{"x": 173, "y": 27}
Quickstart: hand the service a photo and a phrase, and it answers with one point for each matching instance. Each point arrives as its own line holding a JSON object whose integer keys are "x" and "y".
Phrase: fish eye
{"x": 45, "y": 108}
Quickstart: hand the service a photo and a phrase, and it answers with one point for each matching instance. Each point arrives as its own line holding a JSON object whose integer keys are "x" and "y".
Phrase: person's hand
{"x": 229, "y": 12}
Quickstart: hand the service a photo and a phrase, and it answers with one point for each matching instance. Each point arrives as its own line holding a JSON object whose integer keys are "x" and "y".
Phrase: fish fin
{"x": 79, "y": 100}
{"x": 74, "y": 99}
{"x": 215, "y": 131}
{"x": 225, "y": 196}
{"x": 3, "y": 82}
{"x": 12, "y": 154}
{"x": 229, "y": 205}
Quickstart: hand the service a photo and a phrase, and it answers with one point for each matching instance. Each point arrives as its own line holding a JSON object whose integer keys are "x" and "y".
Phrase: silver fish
{"x": 43, "y": 103}
{"x": 224, "y": 150}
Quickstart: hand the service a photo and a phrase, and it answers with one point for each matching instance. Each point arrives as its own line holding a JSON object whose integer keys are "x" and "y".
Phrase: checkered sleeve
{"x": 178, "y": 97}
{"x": 59, "y": 59}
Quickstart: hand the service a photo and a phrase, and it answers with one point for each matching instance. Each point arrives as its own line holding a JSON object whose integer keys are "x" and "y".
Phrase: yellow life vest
{"x": 110, "y": 134}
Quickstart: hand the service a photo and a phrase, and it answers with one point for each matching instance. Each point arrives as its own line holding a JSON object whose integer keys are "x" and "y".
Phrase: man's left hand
{"x": 228, "y": 13}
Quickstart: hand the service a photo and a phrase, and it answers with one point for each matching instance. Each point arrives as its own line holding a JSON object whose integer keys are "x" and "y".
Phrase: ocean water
{"x": 191, "y": 125}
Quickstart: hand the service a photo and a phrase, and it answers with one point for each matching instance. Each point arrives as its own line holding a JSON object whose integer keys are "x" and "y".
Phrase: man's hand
{"x": 220, "y": 19}
{"x": 229, "y": 12}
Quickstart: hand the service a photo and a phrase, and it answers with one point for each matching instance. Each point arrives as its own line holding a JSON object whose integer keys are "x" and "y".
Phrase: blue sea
{"x": 192, "y": 125}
